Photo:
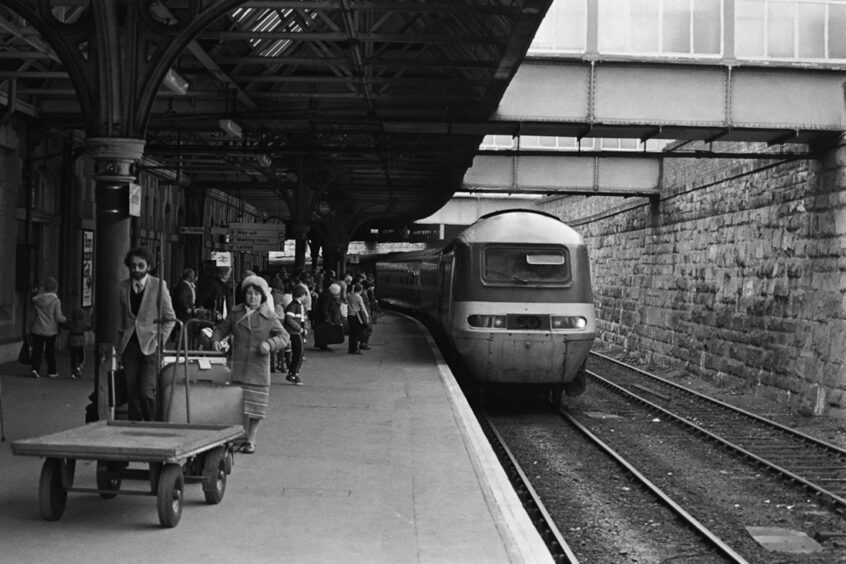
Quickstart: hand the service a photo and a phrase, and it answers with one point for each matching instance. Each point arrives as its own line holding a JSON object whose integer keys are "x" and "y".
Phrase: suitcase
{"x": 201, "y": 368}
{"x": 213, "y": 400}
{"x": 329, "y": 334}
{"x": 211, "y": 404}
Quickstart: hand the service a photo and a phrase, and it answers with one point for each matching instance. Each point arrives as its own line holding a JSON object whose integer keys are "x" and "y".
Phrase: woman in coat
{"x": 256, "y": 333}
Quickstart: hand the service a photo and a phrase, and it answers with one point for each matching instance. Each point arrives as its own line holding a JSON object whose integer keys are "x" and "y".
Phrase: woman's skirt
{"x": 256, "y": 399}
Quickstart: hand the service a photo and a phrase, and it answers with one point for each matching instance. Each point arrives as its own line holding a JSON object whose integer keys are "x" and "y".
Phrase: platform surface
{"x": 376, "y": 459}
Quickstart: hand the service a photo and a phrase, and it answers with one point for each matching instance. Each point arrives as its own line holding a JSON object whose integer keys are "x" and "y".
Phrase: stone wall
{"x": 736, "y": 274}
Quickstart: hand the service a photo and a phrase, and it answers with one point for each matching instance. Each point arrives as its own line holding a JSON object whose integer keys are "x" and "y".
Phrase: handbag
{"x": 25, "y": 355}
{"x": 362, "y": 319}
{"x": 329, "y": 334}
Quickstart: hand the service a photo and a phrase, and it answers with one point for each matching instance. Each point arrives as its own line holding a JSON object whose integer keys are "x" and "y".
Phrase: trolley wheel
{"x": 214, "y": 476}
{"x": 108, "y": 478}
{"x": 170, "y": 494}
{"x": 155, "y": 472}
{"x": 52, "y": 487}
{"x": 229, "y": 459}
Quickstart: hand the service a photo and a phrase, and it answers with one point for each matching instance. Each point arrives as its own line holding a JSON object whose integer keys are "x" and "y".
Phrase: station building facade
{"x": 48, "y": 226}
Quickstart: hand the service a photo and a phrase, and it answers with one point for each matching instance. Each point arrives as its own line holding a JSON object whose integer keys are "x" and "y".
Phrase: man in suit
{"x": 216, "y": 293}
{"x": 147, "y": 317}
{"x": 185, "y": 295}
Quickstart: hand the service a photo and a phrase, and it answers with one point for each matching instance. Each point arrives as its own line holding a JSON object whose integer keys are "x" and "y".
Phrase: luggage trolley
{"x": 192, "y": 443}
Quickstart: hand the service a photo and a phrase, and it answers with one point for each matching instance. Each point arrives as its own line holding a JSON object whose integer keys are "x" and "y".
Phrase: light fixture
{"x": 175, "y": 83}
{"x": 230, "y": 127}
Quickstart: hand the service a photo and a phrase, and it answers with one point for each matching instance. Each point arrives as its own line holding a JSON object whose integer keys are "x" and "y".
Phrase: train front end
{"x": 522, "y": 310}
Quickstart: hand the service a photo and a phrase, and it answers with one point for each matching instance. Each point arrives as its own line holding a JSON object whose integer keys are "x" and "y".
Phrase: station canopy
{"x": 352, "y": 98}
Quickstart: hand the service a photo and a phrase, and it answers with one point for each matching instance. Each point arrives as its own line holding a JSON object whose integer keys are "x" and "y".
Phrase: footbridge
{"x": 675, "y": 79}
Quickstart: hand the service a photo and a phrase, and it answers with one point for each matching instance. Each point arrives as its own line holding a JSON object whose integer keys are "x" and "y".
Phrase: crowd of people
{"x": 265, "y": 323}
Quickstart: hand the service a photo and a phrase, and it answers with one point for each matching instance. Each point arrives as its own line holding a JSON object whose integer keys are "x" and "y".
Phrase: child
{"x": 295, "y": 324}
{"x": 77, "y": 326}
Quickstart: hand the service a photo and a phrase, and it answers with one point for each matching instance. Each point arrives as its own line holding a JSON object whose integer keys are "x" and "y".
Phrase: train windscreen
{"x": 521, "y": 265}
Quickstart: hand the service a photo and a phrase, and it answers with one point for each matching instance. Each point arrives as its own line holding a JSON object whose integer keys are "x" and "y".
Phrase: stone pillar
{"x": 114, "y": 160}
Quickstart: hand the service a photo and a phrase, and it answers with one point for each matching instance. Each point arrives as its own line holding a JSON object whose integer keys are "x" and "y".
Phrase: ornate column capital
{"x": 114, "y": 156}
{"x": 114, "y": 161}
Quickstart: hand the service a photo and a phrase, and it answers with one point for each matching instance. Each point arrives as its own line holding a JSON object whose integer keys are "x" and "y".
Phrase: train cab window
{"x": 519, "y": 265}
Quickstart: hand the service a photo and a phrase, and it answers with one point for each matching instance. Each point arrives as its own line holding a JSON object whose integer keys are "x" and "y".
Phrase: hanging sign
{"x": 134, "y": 199}
{"x": 87, "y": 286}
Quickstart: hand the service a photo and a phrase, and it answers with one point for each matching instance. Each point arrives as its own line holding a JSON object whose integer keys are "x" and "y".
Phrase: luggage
{"x": 329, "y": 334}
{"x": 213, "y": 399}
{"x": 202, "y": 367}
{"x": 211, "y": 404}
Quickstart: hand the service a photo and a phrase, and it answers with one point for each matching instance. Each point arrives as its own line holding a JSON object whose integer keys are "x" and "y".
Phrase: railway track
{"x": 558, "y": 547}
{"x": 556, "y": 542}
{"x": 818, "y": 466}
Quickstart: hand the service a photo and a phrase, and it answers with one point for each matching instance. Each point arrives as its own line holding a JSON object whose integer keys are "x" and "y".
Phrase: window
{"x": 790, "y": 29}
{"x": 522, "y": 265}
{"x": 564, "y": 28}
{"x": 660, "y": 27}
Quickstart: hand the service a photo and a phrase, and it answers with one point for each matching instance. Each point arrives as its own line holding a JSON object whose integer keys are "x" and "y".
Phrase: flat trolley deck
{"x": 176, "y": 454}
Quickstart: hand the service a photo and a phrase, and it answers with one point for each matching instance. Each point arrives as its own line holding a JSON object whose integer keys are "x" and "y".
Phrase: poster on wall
{"x": 87, "y": 286}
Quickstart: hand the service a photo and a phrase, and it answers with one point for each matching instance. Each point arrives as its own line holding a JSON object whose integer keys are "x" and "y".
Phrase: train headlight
{"x": 495, "y": 321}
{"x": 568, "y": 322}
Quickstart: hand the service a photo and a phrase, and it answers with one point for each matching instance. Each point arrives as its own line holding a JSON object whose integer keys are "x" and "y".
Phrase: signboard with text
{"x": 256, "y": 237}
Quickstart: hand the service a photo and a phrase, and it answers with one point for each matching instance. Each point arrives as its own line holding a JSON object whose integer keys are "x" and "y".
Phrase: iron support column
{"x": 299, "y": 220}
{"x": 114, "y": 170}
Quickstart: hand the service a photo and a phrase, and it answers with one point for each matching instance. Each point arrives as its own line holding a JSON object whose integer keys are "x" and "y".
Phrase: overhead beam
{"x": 330, "y": 36}
{"x": 564, "y": 174}
{"x": 680, "y": 98}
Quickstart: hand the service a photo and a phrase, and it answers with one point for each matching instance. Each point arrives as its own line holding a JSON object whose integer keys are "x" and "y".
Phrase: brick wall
{"x": 737, "y": 274}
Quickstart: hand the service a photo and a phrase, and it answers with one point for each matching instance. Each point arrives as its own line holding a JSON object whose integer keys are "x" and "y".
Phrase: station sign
{"x": 257, "y": 230}
{"x": 192, "y": 230}
{"x": 256, "y": 237}
{"x": 222, "y": 258}
{"x": 134, "y": 199}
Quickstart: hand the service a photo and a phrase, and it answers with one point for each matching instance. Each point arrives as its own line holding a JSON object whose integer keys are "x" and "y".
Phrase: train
{"x": 511, "y": 294}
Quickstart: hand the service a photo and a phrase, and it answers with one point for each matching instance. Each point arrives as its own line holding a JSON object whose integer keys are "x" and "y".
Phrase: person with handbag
{"x": 47, "y": 316}
{"x": 359, "y": 319}
{"x": 328, "y": 324}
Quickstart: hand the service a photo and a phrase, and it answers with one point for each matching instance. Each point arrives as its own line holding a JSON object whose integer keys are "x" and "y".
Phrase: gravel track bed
{"x": 723, "y": 492}
{"x": 602, "y": 512}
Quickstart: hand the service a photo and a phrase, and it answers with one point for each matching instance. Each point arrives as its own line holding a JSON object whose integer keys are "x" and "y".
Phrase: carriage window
{"x": 521, "y": 266}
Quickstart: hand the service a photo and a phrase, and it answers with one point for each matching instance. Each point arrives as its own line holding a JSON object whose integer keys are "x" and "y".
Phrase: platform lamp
{"x": 175, "y": 83}
{"x": 231, "y": 128}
